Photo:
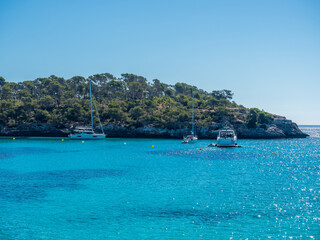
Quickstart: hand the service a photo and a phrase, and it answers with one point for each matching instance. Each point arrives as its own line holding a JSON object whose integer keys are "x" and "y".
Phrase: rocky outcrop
{"x": 271, "y": 131}
{"x": 290, "y": 129}
{"x": 277, "y": 129}
{"x": 35, "y": 130}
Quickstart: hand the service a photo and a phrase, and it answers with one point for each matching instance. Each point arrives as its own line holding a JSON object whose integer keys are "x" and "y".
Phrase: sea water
{"x": 160, "y": 189}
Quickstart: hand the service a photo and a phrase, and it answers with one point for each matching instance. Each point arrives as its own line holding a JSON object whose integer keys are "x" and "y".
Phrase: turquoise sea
{"x": 127, "y": 189}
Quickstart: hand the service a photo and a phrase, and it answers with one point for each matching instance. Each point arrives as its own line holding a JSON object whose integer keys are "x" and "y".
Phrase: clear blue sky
{"x": 266, "y": 52}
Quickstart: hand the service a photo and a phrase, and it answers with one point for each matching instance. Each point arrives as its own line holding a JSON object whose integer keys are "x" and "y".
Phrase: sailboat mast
{"x": 193, "y": 114}
{"x": 91, "y": 107}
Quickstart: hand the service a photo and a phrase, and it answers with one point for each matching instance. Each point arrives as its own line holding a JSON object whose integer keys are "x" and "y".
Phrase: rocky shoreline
{"x": 275, "y": 130}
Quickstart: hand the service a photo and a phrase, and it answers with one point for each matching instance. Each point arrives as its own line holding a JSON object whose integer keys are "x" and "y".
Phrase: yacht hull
{"x": 226, "y": 146}
{"x": 226, "y": 143}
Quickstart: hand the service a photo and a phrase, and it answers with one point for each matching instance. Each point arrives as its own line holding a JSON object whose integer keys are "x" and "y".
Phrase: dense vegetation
{"x": 128, "y": 100}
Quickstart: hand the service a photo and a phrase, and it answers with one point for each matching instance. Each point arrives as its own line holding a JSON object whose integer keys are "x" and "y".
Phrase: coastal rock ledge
{"x": 277, "y": 129}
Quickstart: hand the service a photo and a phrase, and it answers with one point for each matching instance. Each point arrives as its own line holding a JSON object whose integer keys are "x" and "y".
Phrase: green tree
{"x": 253, "y": 119}
{"x": 47, "y": 102}
{"x": 2, "y": 81}
{"x": 136, "y": 112}
{"x": 42, "y": 116}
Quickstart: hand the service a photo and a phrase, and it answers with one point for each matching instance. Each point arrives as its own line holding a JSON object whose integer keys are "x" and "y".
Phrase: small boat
{"x": 192, "y": 138}
{"x": 87, "y": 133}
{"x": 227, "y": 138}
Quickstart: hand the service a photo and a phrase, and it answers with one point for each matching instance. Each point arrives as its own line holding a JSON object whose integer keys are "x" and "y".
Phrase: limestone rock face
{"x": 277, "y": 129}
{"x": 260, "y": 132}
{"x": 35, "y": 130}
{"x": 290, "y": 129}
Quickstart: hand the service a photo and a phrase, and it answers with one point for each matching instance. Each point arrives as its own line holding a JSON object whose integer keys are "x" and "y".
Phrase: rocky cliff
{"x": 277, "y": 129}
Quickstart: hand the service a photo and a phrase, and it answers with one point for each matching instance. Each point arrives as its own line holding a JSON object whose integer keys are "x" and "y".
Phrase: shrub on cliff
{"x": 253, "y": 119}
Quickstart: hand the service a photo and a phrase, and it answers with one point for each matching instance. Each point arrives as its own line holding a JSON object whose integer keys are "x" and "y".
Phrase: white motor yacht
{"x": 226, "y": 138}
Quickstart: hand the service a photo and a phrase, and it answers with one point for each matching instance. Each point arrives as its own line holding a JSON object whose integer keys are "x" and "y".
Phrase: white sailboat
{"x": 191, "y": 138}
{"x": 87, "y": 133}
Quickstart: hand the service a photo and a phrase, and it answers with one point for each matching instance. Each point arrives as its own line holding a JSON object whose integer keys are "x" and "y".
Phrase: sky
{"x": 267, "y": 52}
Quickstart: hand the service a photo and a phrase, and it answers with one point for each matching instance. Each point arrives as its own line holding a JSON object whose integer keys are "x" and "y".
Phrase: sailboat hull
{"x": 190, "y": 140}
{"x": 83, "y": 136}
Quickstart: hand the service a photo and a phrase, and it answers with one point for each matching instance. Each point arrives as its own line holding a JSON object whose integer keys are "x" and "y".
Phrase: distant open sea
{"x": 127, "y": 189}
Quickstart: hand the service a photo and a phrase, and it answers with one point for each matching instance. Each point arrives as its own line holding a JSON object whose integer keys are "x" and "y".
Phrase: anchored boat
{"x": 85, "y": 133}
{"x": 227, "y": 138}
{"x": 192, "y": 138}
